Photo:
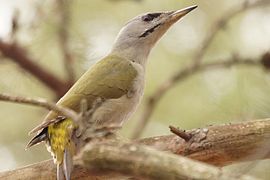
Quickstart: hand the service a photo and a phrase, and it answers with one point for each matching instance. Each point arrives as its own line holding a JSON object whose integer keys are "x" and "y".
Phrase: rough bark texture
{"x": 217, "y": 145}
{"x": 141, "y": 161}
{"x": 222, "y": 145}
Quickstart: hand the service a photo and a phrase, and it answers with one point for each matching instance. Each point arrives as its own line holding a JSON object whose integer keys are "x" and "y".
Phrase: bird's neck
{"x": 132, "y": 52}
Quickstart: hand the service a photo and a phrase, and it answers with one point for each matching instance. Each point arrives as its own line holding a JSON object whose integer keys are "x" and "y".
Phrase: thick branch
{"x": 222, "y": 145}
{"x": 19, "y": 56}
{"x": 141, "y": 161}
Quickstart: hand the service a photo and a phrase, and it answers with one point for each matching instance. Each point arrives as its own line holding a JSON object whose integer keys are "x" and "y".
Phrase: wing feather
{"x": 111, "y": 78}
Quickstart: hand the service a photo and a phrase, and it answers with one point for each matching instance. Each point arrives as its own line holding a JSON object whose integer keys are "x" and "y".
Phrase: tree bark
{"x": 216, "y": 145}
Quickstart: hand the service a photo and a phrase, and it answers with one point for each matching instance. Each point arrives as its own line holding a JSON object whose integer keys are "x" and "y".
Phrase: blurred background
{"x": 64, "y": 38}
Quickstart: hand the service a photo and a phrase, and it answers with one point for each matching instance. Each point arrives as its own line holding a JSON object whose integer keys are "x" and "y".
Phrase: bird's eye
{"x": 150, "y": 17}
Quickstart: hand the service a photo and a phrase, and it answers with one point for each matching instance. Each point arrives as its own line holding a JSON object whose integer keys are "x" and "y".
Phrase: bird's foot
{"x": 86, "y": 114}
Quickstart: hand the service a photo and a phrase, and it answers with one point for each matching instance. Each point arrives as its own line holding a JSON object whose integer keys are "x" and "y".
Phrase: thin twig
{"x": 181, "y": 133}
{"x": 41, "y": 103}
{"x": 221, "y": 24}
{"x": 63, "y": 33}
{"x": 195, "y": 66}
{"x": 179, "y": 77}
{"x": 15, "y": 25}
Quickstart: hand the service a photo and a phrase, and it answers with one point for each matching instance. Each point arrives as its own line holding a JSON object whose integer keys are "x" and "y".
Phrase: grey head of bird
{"x": 140, "y": 34}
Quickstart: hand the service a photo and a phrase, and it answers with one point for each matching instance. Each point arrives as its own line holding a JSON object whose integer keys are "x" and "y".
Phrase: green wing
{"x": 111, "y": 78}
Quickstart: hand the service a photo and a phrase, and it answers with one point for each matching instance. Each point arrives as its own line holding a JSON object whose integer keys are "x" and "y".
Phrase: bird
{"x": 118, "y": 79}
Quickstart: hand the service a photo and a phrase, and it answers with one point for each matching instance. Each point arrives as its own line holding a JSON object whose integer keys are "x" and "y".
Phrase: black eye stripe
{"x": 150, "y": 16}
{"x": 149, "y": 31}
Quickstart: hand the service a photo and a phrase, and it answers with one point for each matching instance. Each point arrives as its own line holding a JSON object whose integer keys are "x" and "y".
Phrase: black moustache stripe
{"x": 149, "y": 31}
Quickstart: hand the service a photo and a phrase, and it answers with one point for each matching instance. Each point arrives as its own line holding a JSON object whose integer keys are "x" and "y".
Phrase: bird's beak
{"x": 166, "y": 21}
{"x": 174, "y": 16}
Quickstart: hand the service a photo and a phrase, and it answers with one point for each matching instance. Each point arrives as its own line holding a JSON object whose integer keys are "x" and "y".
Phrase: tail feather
{"x": 64, "y": 168}
{"x": 59, "y": 173}
{"x": 67, "y": 164}
{"x": 41, "y": 136}
{"x": 60, "y": 144}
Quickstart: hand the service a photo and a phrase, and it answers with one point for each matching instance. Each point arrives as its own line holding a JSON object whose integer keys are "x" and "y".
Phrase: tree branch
{"x": 143, "y": 162}
{"x": 223, "y": 144}
{"x": 194, "y": 67}
{"x": 217, "y": 145}
{"x": 153, "y": 100}
{"x": 221, "y": 24}
{"x": 19, "y": 56}
{"x": 41, "y": 103}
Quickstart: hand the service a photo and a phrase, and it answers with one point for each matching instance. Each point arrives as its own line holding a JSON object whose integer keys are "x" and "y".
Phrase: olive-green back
{"x": 110, "y": 78}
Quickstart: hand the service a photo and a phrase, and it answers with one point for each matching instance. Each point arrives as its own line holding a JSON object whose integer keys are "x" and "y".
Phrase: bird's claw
{"x": 80, "y": 128}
